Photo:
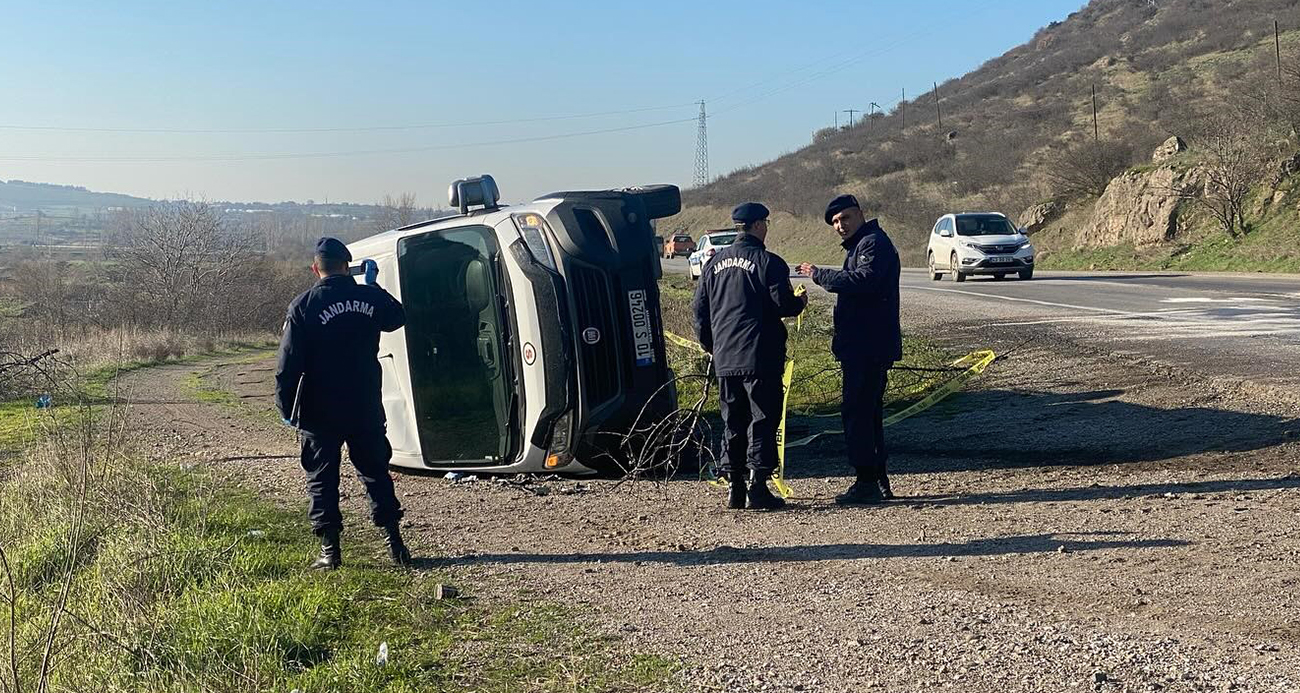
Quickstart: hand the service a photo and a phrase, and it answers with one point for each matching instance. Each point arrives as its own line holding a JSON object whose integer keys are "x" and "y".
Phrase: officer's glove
{"x": 372, "y": 271}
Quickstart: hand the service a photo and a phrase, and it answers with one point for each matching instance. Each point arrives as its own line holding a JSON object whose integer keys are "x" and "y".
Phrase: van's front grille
{"x": 597, "y": 335}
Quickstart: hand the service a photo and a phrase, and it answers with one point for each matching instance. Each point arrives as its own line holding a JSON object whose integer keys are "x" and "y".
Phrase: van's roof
{"x": 387, "y": 240}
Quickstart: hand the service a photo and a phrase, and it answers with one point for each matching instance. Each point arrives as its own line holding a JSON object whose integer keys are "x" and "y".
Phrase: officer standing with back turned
{"x": 743, "y": 294}
{"x": 327, "y": 384}
{"x": 867, "y": 341}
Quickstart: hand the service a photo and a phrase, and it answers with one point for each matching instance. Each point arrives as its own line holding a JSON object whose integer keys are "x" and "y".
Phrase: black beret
{"x": 839, "y": 204}
{"x": 749, "y": 213}
{"x": 333, "y": 249}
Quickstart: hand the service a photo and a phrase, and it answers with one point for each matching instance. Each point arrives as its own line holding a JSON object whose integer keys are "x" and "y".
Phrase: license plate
{"x": 1002, "y": 259}
{"x": 642, "y": 337}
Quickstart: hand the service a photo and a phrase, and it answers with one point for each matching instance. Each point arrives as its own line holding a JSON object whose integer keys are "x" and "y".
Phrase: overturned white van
{"x": 533, "y": 335}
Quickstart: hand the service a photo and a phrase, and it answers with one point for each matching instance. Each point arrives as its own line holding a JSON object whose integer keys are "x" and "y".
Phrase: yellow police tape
{"x": 976, "y": 362}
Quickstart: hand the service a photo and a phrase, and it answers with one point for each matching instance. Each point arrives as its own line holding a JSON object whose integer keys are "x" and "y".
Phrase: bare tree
{"x": 396, "y": 212}
{"x": 1233, "y": 161}
{"x": 1084, "y": 170}
{"x": 176, "y": 261}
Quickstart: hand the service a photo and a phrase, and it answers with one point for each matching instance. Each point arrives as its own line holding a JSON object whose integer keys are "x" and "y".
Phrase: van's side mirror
{"x": 1024, "y": 231}
{"x": 945, "y": 233}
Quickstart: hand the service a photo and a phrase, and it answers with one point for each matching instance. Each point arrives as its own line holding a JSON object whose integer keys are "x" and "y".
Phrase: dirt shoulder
{"x": 1075, "y": 520}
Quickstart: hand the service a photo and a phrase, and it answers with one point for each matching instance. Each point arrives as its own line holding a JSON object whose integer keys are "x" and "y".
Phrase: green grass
{"x": 210, "y": 594}
{"x": 1272, "y": 244}
{"x": 201, "y": 387}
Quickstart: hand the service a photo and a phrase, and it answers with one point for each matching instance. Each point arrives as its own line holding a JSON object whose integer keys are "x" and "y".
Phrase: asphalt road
{"x": 1236, "y": 326}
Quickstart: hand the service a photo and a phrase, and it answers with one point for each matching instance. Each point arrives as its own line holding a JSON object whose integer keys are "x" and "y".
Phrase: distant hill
{"x": 22, "y": 196}
{"x": 1160, "y": 68}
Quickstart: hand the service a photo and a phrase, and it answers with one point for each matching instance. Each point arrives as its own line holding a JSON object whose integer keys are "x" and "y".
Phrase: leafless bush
{"x": 176, "y": 262}
{"x": 1084, "y": 170}
{"x": 1233, "y": 161}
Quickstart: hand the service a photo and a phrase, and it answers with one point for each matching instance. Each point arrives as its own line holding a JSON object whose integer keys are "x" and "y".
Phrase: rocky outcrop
{"x": 1139, "y": 207}
{"x": 1171, "y": 148}
{"x": 1039, "y": 216}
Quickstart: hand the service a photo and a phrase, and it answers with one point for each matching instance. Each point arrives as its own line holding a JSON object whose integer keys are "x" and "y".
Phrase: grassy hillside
{"x": 1159, "y": 68}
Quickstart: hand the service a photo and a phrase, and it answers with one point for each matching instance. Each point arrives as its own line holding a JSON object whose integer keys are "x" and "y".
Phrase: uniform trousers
{"x": 322, "y": 454}
{"x": 751, "y": 412}
{"x": 863, "y": 416}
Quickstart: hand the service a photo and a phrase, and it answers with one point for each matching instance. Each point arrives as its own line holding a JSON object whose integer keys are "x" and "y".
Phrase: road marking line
{"x": 1234, "y": 299}
{"x": 1052, "y": 304}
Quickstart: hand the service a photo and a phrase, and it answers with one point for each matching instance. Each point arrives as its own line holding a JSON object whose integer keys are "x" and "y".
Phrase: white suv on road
{"x": 978, "y": 243}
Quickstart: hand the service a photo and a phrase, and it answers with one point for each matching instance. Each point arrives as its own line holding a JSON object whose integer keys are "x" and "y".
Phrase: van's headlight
{"x": 532, "y": 228}
{"x": 561, "y": 450}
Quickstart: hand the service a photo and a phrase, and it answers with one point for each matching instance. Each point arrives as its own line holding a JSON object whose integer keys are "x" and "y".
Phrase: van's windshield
{"x": 456, "y": 335}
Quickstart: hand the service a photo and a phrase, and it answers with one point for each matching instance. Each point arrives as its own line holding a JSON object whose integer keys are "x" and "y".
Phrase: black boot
{"x": 397, "y": 550}
{"x": 736, "y": 499}
{"x": 760, "y": 496}
{"x": 864, "y": 491}
{"x": 885, "y": 491}
{"x": 331, "y": 553}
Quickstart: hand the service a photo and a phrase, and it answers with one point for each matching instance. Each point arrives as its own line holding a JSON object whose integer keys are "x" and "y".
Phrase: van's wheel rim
{"x": 952, "y": 265}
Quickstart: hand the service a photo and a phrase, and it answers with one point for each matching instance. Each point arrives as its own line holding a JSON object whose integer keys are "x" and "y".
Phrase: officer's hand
{"x": 806, "y": 269}
{"x": 372, "y": 271}
{"x": 804, "y": 297}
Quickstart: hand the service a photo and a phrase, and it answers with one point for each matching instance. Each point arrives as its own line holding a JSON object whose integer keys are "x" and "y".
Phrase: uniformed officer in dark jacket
{"x": 868, "y": 340}
{"x": 743, "y": 294}
{"x": 327, "y": 384}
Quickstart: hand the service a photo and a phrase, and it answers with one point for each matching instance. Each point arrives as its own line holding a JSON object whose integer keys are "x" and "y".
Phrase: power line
{"x": 847, "y": 63}
{"x": 322, "y": 155}
{"x": 369, "y": 128}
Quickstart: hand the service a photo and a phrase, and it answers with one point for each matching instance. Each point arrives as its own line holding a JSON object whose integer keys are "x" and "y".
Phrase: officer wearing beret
{"x": 327, "y": 384}
{"x": 744, "y": 292}
{"x": 868, "y": 339}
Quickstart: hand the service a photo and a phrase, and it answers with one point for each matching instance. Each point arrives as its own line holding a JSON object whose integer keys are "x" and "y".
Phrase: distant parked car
{"x": 678, "y": 244}
{"x": 710, "y": 243}
{"x": 978, "y": 243}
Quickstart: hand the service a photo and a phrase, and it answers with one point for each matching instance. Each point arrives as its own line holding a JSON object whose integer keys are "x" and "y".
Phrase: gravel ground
{"x": 1077, "y": 520}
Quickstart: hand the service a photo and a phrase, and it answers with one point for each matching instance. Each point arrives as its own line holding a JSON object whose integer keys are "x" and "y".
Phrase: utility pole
{"x": 837, "y": 120}
{"x": 851, "y": 112}
{"x": 1277, "y": 48}
{"x": 938, "y": 112}
{"x": 1096, "y": 137}
{"x": 38, "y": 227}
{"x": 702, "y": 151}
{"x": 902, "y": 109}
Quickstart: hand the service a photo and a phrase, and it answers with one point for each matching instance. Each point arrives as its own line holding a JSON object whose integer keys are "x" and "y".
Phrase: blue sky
{"x": 771, "y": 74}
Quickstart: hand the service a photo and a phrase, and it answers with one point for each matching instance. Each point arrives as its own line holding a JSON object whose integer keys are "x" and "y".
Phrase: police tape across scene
{"x": 975, "y": 364}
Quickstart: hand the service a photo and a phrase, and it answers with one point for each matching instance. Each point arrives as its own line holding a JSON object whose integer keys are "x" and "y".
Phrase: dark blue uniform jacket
{"x": 331, "y": 342}
{"x": 866, "y": 307}
{"x": 743, "y": 294}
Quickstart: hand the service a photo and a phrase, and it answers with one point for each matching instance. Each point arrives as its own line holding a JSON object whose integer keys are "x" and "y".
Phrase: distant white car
{"x": 978, "y": 243}
{"x": 710, "y": 243}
